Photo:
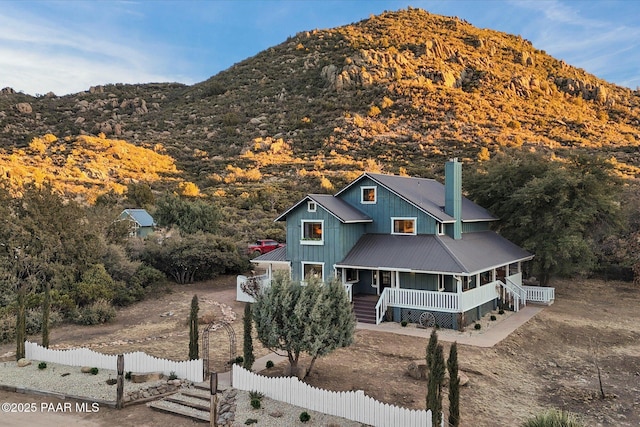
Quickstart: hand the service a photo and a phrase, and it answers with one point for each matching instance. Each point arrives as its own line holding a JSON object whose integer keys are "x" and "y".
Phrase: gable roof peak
{"x": 426, "y": 194}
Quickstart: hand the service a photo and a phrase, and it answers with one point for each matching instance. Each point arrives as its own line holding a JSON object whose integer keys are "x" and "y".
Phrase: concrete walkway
{"x": 482, "y": 338}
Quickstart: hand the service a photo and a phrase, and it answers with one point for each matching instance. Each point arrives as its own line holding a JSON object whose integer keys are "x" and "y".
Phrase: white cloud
{"x": 38, "y": 56}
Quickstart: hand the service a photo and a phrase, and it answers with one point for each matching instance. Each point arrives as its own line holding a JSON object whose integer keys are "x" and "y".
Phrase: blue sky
{"x": 67, "y": 46}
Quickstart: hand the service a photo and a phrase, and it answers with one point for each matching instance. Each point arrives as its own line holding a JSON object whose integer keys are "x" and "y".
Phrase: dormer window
{"x": 403, "y": 226}
{"x": 368, "y": 195}
{"x": 311, "y": 206}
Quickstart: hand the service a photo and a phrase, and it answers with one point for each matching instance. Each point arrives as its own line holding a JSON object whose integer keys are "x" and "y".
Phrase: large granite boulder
{"x": 146, "y": 377}
{"x": 417, "y": 370}
{"x": 23, "y": 362}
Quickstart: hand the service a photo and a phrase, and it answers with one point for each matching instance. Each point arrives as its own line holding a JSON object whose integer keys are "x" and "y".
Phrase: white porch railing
{"x": 426, "y": 300}
{"x": 540, "y": 294}
{"x": 508, "y": 292}
{"x": 381, "y": 306}
{"x": 348, "y": 288}
{"x": 478, "y": 296}
{"x": 448, "y": 302}
{"x": 514, "y": 282}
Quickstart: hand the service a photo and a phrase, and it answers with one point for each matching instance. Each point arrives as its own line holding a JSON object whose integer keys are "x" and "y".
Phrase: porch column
{"x": 458, "y": 280}
{"x": 397, "y": 281}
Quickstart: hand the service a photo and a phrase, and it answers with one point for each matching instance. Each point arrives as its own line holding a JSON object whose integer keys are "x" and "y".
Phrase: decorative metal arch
{"x": 214, "y": 326}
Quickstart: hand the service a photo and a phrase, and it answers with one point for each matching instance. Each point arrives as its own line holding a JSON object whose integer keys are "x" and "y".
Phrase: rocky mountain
{"x": 400, "y": 92}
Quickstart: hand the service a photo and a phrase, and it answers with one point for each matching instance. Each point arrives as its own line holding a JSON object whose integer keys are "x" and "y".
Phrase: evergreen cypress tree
{"x": 431, "y": 348}
{"x": 193, "y": 329}
{"x": 454, "y": 386}
{"x": 434, "y": 389}
{"x": 46, "y": 309}
{"x": 21, "y": 323}
{"x": 249, "y": 357}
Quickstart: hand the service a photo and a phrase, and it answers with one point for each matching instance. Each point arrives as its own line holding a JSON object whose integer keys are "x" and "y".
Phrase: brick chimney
{"x": 453, "y": 195}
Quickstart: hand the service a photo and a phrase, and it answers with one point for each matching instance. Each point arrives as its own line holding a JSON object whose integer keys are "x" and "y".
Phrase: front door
{"x": 386, "y": 280}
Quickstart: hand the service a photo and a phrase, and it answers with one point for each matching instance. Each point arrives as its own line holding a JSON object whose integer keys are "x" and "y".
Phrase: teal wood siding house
{"x": 413, "y": 248}
{"x": 141, "y": 223}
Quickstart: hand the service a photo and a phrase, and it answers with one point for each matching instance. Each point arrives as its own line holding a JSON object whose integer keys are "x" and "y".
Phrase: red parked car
{"x": 263, "y": 246}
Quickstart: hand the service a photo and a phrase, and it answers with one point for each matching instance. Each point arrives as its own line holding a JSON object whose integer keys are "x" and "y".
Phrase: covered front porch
{"x": 456, "y": 280}
{"x": 455, "y": 299}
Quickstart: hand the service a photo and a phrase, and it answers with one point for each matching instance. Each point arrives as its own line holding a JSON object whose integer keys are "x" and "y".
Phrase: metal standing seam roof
{"x": 474, "y": 253}
{"x": 337, "y": 207}
{"x": 276, "y": 255}
{"x": 141, "y": 216}
{"x": 427, "y": 195}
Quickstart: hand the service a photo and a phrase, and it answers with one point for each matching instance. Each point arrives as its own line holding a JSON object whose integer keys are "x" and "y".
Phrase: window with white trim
{"x": 368, "y": 194}
{"x": 469, "y": 282}
{"x": 311, "y": 206}
{"x": 351, "y": 275}
{"x": 312, "y": 269}
{"x": 312, "y": 232}
{"x": 403, "y": 226}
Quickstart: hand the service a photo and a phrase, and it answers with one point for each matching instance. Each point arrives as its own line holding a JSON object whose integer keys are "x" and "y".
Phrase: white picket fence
{"x": 134, "y": 362}
{"x": 352, "y": 405}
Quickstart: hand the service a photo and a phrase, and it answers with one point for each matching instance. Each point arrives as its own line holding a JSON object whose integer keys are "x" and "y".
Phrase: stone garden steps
{"x": 181, "y": 410}
{"x": 191, "y": 402}
{"x": 204, "y": 394}
{"x": 187, "y": 403}
{"x": 194, "y": 403}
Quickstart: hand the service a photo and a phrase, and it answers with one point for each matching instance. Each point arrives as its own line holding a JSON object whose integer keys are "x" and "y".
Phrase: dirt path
{"x": 548, "y": 362}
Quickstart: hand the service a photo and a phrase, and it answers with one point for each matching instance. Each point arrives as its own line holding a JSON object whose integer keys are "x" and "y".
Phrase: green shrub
{"x": 33, "y": 324}
{"x": 256, "y": 395}
{"x": 94, "y": 371}
{"x": 127, "y": 375}
{"x": 493, "y": 317}
{"x": 255, "y": 403}
{"x": 477, "y": 326}
{"x": 147, "y": 276}
{"x": 173, "y": 376}
{"x": 269, "y": 364}
{"x": 99, "y": 312}
{"x": 404, "y": 323}
{"x": 126, "y": 294}
{"x": 251, "y": 421}
{"x": 553, "y": 418}
{"x": 96, "y": 285}
{"x": 238, "y": 360}
{"x": 501, "y": 311}
{"x": 42, "y": 365}
{"x": 304, "y": 416}
{"x": 7, "y": 328}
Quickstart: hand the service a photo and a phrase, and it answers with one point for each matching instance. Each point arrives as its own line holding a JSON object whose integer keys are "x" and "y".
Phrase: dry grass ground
{"x": 548, "y": 362}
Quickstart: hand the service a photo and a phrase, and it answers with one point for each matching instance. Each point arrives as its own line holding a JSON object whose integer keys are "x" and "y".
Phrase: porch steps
{"x": 192, "y": 403}
{"x": 364, "y": 307}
